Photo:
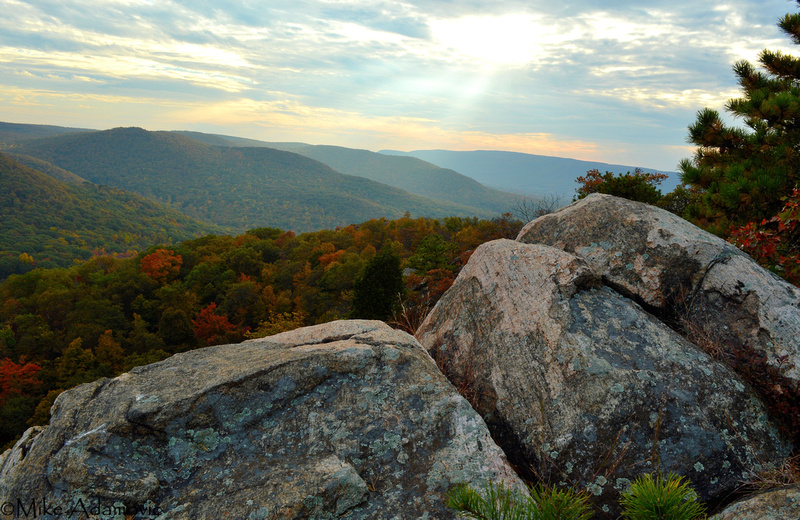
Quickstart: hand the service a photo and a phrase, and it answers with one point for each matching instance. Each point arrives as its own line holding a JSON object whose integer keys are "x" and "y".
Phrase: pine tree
{"x": 742, "y": 173}
{"x": 379, "y": 288}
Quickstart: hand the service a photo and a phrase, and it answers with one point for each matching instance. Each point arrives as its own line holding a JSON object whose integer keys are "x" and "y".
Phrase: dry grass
{"x": 786, "y": 474}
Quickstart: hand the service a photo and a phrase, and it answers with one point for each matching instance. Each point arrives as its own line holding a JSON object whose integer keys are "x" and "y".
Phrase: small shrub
{"x": 661, "y": 498}
{"x": 502, "y": 503}
{"x": 639, "y": 186}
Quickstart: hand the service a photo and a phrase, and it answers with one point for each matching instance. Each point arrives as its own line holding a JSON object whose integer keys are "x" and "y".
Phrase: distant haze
{"x": 526, "y": 174}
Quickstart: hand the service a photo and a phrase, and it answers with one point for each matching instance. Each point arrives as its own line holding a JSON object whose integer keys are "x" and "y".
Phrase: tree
{"x": 378, "y": 290}
{"x": 161, "y": 265}
{"x": 639, "y": 185}
{"x": 742, "y": 173}
{"x": 17, "y": 379}
{"x": 212, "y": 328}
{"x": 433, "y": 252}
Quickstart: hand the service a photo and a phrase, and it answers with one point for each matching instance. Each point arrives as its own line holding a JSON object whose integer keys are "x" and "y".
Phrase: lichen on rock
{"x": 348, "y": 418}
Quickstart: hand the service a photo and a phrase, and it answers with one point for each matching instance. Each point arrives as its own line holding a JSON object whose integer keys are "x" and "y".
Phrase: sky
{"x": 617, "y": 81}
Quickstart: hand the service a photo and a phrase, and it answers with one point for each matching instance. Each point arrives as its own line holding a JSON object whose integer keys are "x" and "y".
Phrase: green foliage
{"x": 48, "y": 223}
{"x": 107, "y": 315}
{"x": 433, "y": 252}
{"x": 501, "y": 503}
{"x": 236, "y": 188}
{"x": 649, "y": 498}
{"x": 277, "y": 323}
{"x": 639, "y": 186}
{"x": 379, "y": 288}
{"x": 661, "y": 498}
{"x": 742, "y": 173}
{"x": 407, "y": 173}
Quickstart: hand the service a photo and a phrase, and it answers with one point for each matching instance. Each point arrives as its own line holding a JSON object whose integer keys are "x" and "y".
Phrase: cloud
{"x": 455, "y": 72}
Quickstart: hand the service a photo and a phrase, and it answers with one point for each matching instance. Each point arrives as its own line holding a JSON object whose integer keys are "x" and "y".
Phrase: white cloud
{"x": 370, "y": 69}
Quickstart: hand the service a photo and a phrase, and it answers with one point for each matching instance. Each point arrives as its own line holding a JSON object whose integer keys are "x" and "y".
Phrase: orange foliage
{"x": 331, "y": 257}
{"x": 161, "y": 265}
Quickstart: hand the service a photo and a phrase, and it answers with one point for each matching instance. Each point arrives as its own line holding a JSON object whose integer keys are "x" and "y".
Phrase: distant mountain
{"x": 53, "y": 171}
{"x": 14, "y": 133}
{"x": 55, "y": 222}
{"x": 407, "y": 173}
{"x": 535, "y": 175}
{"x": 238, "y": 188}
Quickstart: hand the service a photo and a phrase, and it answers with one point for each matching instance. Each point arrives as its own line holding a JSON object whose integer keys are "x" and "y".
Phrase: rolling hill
{"x": 528, "y": 174}
{"x": 55, "y": 222}
{"x": 237, "y": 188}
{"x": 407, "y": 173}
{"x": 14, "y": 133}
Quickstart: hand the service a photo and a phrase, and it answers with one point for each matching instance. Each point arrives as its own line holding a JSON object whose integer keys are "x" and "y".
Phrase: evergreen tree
{"x": 379, "y": 288}
{"x": 742, "y": 173}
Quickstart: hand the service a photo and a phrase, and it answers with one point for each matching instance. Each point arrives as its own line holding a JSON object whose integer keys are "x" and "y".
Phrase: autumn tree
{"x": 640, "y": 186}
{"x": 161, "y": 265}
{"x": 210, "y": 327}
{"x": 743, "y": 172}
{"x": 17, "y": 378}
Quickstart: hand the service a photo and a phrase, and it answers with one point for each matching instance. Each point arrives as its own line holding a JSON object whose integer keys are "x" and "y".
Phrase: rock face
{"x": 780, "y": 504}
{"x": 677, "y": 270}
{"x": 579, "y": 384}
{"x": 344, "y": 418}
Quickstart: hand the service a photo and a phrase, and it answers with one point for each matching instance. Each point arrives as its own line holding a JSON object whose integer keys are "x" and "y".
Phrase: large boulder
{"x": 777, "y": 504}
{"x": 581, "y": 385}
{"x": 682, "y": 273}
{"x": 347, "y": 418}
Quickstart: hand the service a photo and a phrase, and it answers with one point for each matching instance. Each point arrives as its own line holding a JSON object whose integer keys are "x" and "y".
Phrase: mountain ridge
{"x": 237, "y": 188}
{"x": 523, "y": 173}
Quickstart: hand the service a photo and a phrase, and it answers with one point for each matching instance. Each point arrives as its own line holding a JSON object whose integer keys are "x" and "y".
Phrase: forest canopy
{"x": 64, "y": 326}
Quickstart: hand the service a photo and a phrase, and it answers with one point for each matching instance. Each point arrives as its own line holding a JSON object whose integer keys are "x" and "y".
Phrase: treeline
{"x": 65, "y": 326}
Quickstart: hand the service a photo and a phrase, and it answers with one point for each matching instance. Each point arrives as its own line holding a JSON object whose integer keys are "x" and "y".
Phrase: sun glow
{"x": 509, "y": 40}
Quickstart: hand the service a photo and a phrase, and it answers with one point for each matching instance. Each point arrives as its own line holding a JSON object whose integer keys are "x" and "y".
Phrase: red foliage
{"x": 439, "y": 281}
{"x": 210, "y": 327}
{"x": 775, "y": 243}
{"x": 17, "y": 378}
{"x": 590, "y": 182}
{"x": 161, "y": 265}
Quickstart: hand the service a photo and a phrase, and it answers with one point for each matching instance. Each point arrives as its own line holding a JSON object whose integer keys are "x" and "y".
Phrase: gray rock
{"x": 679, "y": 271}
{"x": 581, "y": 385}
{"x": 779, "y": 504}
{"x": 348, "y": 418}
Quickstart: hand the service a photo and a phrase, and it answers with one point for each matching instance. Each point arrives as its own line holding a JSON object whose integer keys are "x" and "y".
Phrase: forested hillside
{"x": 238, "y": 188}
{"x": 62, "y": 327}
{"x": 45, "y": 222}
{"x": 408, "y": 173}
